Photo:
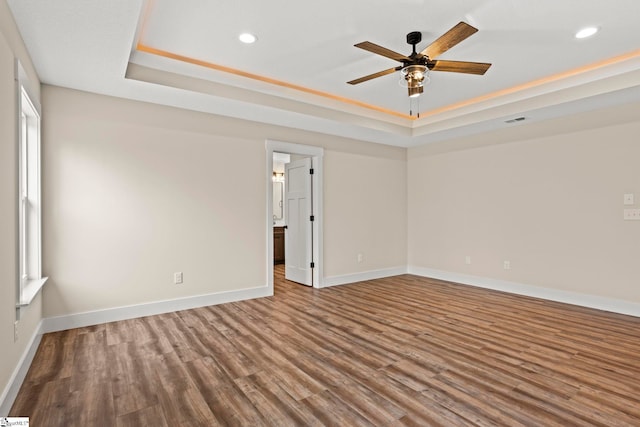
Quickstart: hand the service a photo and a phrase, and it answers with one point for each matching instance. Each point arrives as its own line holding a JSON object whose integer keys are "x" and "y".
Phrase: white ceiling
{"x": 540, "y": 71}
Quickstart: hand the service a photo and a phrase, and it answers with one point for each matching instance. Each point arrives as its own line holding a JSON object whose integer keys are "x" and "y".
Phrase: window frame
{"x": 30, "y": 280}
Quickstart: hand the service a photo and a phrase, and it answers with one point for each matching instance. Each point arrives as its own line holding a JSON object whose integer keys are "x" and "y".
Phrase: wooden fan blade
{"x": 449, "y": 39}
{"x": 379, "y": 50}
{"x": 374, "y": 75}
{"x": 459, "y": 66}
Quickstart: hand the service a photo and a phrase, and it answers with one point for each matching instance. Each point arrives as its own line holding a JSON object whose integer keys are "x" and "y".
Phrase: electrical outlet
{"x": 632, "y": 214}
{"x": 177, "y": 278}
{"x": 467, "y": 260}
{"x": 359, "y": 257}
{"x": 15, "y": 331}
{"x": 507, "y": 265}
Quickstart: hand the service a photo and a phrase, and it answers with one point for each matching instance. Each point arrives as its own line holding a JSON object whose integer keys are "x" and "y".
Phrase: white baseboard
{"x": 575, "y": 298}
{"x": 365, "y": 275}
{"x": 15, "y": 382}
{"x": 79, "y": 320}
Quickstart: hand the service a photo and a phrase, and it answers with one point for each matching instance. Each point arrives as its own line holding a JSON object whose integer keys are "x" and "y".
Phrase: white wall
{"x": 552, "y": 206}
{"x": 134, "y": 192}
{"x": 365, "y": 204}
{"x": 11, "y": 46}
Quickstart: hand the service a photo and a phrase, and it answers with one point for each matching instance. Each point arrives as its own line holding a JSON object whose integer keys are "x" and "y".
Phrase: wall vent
{"x": 517, "y": 119}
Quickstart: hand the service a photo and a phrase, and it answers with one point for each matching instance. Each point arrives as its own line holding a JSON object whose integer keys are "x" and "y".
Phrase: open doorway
{"x": 297, "y": 220}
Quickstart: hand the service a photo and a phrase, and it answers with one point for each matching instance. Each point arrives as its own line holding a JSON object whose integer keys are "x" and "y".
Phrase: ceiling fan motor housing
{"x": 414, "y": 37}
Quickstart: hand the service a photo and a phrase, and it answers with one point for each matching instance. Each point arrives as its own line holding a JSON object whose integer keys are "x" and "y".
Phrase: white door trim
{"x": 316, "y": 154}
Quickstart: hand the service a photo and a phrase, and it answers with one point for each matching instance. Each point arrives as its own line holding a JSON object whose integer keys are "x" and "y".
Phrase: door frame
{"x": 316, "y": 154}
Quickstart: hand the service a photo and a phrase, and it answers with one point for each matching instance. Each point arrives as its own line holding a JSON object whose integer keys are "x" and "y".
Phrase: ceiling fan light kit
{"x": 414, "y": 77}
{"x": 416, "y": 67}
{"x": 415, "y": 92}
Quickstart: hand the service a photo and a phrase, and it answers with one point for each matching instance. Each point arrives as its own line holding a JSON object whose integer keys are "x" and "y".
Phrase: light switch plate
{"x": 628, "y": 199}
{"x": 177, "y": 278}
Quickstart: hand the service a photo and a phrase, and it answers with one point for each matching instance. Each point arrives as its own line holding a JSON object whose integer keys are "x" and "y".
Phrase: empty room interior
{"x": 335, "y": 213}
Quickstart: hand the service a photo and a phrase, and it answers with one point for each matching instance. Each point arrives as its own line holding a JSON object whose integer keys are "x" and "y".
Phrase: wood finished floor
{"x": 390, "y": 352}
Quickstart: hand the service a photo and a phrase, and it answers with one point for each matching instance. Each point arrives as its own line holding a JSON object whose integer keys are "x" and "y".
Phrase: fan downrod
{"x": 413, "y": 38}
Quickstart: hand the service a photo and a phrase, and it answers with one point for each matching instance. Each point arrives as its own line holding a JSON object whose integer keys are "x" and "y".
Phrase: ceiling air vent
{"x": 517, "y": 119}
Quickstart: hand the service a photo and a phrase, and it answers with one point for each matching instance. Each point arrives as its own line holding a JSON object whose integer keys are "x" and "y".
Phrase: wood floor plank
{"x": 617, "y": 407}
{"x": 131, "y": 378}
{"x": 44, "y": 401}
{"x": 90, "y": 399}
{"x": 232, "y": 407}
{"x": 294, "y": 380}
{"x": 182, "y": 407}
{"x": 420, "y": 409}
{"x": 274, "y": 403}
{"x": 372, "y": 406}
{"x": 149, "y": 416}
{"x": 400, "y": 351}
{"x": 521, "y": 410}
{"x": 333, "y": 411}
{"x": 57, "y": 355}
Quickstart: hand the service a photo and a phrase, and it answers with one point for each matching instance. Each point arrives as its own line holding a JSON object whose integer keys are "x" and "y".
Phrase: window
{"x": 30, "y": 258}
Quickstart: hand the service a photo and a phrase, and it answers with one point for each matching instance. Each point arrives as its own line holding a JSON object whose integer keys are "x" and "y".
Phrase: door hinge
{"x": 311, "y": 171}
{"x": 313, "y": 265}
{"x": 312, "y": 218}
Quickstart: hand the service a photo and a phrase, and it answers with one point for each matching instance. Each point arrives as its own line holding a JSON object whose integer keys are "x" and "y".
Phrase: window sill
{"x": 30, "y": 291}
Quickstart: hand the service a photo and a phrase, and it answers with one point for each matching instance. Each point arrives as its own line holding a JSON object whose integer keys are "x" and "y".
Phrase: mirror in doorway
{"x": 278, "y": 200}
{"x": 279, "y": 160}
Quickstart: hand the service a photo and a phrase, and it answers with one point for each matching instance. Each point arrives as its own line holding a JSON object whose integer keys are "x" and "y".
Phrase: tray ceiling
{"x": 187, "y": 54}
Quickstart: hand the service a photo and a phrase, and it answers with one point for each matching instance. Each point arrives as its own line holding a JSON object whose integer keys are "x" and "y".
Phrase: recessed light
{"x": 586, "y": 32}
{"x": 247, "y": 38}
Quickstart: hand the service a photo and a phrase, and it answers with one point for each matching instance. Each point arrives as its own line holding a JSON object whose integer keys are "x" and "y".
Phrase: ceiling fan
{"x": 415, "y": 66}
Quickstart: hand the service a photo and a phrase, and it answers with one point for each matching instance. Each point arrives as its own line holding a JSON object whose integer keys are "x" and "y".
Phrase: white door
{"x": 298, "y": 244}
